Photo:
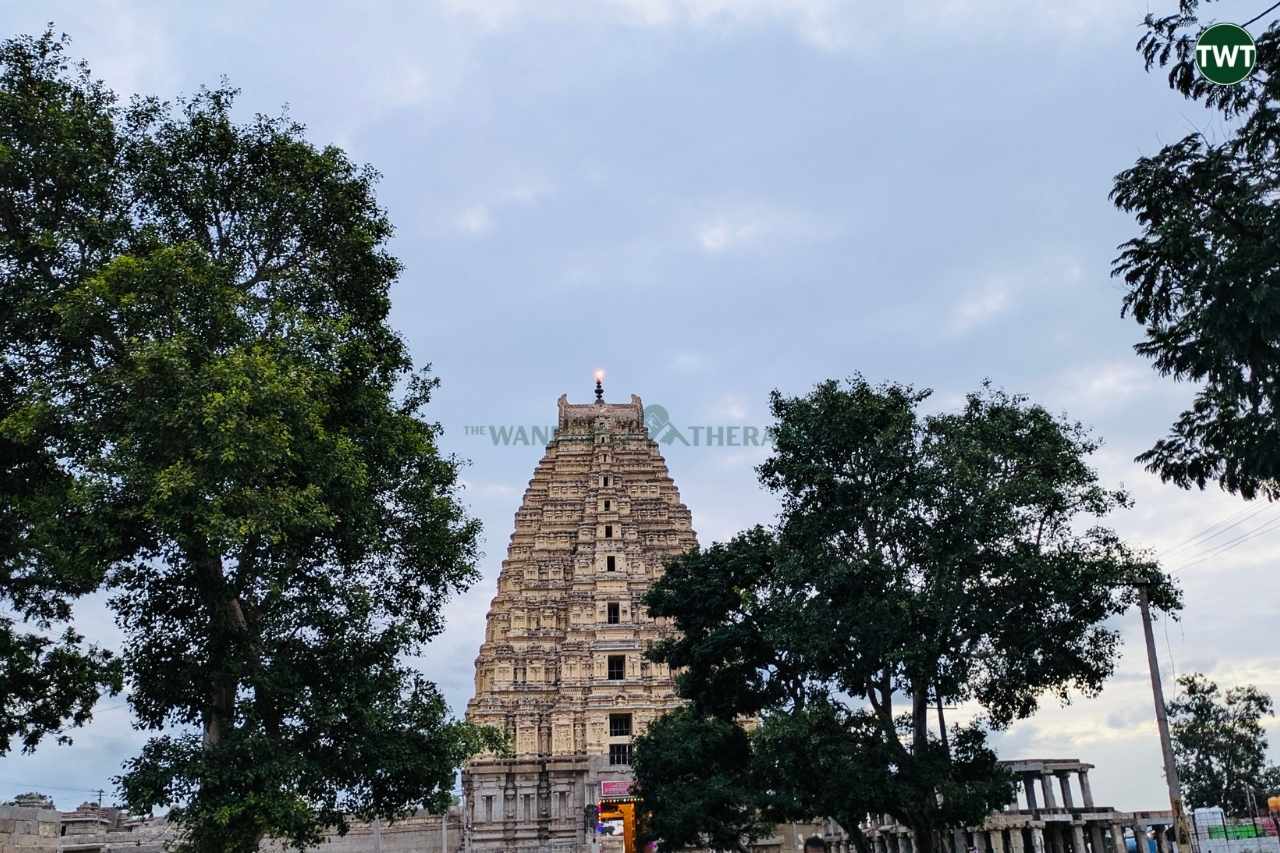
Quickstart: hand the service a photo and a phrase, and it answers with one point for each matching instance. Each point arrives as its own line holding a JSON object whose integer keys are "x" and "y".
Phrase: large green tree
{"x": 1220, "y": 744}
{"x": 919, "y": 561}
{"x": 215, "y": 388}
{"x": 62, "y": 216}
{"x": 1203, "y": 275}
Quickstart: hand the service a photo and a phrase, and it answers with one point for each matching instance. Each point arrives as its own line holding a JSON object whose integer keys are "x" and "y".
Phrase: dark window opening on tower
{"x": 606, "y": 506}
{"x": 615, "y": 613}
{"x": 611, "y": 563}
{"x": 608, "y": 531}
{"x": 620, "y": 753}
{"x": 619, "y": 725}
{"x": 617, "y": 667}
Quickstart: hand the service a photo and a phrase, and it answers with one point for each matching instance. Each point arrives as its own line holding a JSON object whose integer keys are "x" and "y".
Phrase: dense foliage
{"x": 61, "y": 217}
{"x": 1203, "y": 276}
{"x": 216, "y": 422}
{"x": 1220, "y": 745}
{"x": 920, "y": 561}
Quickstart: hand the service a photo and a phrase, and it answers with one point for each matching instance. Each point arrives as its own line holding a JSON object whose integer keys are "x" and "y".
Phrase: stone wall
{"x": 26, "y": 829}
{"x": 32, "y": 829}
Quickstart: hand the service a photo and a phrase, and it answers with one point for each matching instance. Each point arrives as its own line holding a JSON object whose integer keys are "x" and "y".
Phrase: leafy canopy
{"x": 1220, "y": 744}
{"x": 61, "y": 216}
{"x": 1203, "y": 275}
{"x": 920, "y": 560}
{"x": 217, "y": 387}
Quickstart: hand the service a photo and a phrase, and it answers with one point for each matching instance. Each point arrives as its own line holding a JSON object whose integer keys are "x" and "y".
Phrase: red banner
{"x": 615, "y": 789}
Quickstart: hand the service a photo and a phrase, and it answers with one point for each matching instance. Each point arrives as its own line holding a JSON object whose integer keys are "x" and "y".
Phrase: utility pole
{"x": 444, "y": 818}
{"x": 1162, "y": 722}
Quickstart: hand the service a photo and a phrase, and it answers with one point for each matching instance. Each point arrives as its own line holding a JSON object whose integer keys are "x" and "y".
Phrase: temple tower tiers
{"x": 561, "y": 669}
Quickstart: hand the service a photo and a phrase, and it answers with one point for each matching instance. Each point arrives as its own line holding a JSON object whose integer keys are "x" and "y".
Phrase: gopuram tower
{"x": 561, "y": 669}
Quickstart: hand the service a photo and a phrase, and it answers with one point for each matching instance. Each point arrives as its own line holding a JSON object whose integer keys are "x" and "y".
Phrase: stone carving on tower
{"x": 562, "y": 667}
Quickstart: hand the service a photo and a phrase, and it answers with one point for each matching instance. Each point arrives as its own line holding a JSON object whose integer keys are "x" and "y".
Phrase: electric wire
{"x": 37, "y": 785}
{"x": 1268, "y": 526}
{"x": 1235, "y": 520}
{"x": 1270, "y": 8}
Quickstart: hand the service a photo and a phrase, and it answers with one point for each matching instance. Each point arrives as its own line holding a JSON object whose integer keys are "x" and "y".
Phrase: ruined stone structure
{"x": 1037, "y": 823}
{"x": 562, "y": 669}
{"x": 31, "y": 824}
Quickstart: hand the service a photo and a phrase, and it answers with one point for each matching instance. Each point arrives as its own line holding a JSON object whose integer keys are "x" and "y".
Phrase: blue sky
{"x": 711, "y": 200}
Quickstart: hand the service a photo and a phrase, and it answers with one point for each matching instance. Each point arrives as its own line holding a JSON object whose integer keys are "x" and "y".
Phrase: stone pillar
{"x": 1140, "y": 837}
{"x": 1085, "y": 792}
{"x": 1015, "y": 840}
{"x": 1077, "y": 838}
{"x": 1037, "y": 840}
{"x": 1047, "y": 784}
{"x": 1029, "y": 786}
{"x": 1162, "y": 839}
{"x": 1096, "y": 843}
{"x": 1064, "y": 782}
{"x": 997, "y": 841}
{"x": 1117, "y": 839}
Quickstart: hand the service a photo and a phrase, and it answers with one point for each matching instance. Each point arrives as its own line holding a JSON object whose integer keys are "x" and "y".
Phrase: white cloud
{"x": 817, "y": 22}
{"x": 729, "y": 408}
{"x": 820, "y": 23}
{"x": 490, "y": 489}
{"x": 730, "y": 227}
{"x": 979, "y": 307}
{"x": 749, "y": 457}
{"x": 688, "y": 362}
{"x": 479, "y": 217}
{"x": 826, "y": 25}
{"x": 1092, "y": 389}
{"x": 720, "y": 235}
{"x": 475, "y": 220}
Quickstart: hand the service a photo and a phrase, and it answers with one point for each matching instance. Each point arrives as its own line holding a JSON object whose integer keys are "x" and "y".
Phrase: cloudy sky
{"x": 712, "y": 199}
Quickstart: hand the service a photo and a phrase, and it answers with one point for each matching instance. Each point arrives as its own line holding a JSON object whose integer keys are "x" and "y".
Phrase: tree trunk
{"x": 920, "y": 717}
{"x": 922, "y": 828}
{"x": 226, "y": 622}
{"x": 922, "y": 839}
{"x": 859, "y": 840}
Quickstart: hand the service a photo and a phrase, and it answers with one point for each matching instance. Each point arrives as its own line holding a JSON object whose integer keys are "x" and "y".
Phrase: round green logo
{"x": 1225, "y": 54}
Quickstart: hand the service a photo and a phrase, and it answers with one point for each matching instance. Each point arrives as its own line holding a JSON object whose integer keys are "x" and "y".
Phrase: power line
{"x": 1173, "y": 664}
{"x": 40, "y": 785}
{"x": 1235, "y": 519}
{"x": 1212, "y": 549}
{"x": 1266, "y": 527}
{"x": 1260, "y": 14}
